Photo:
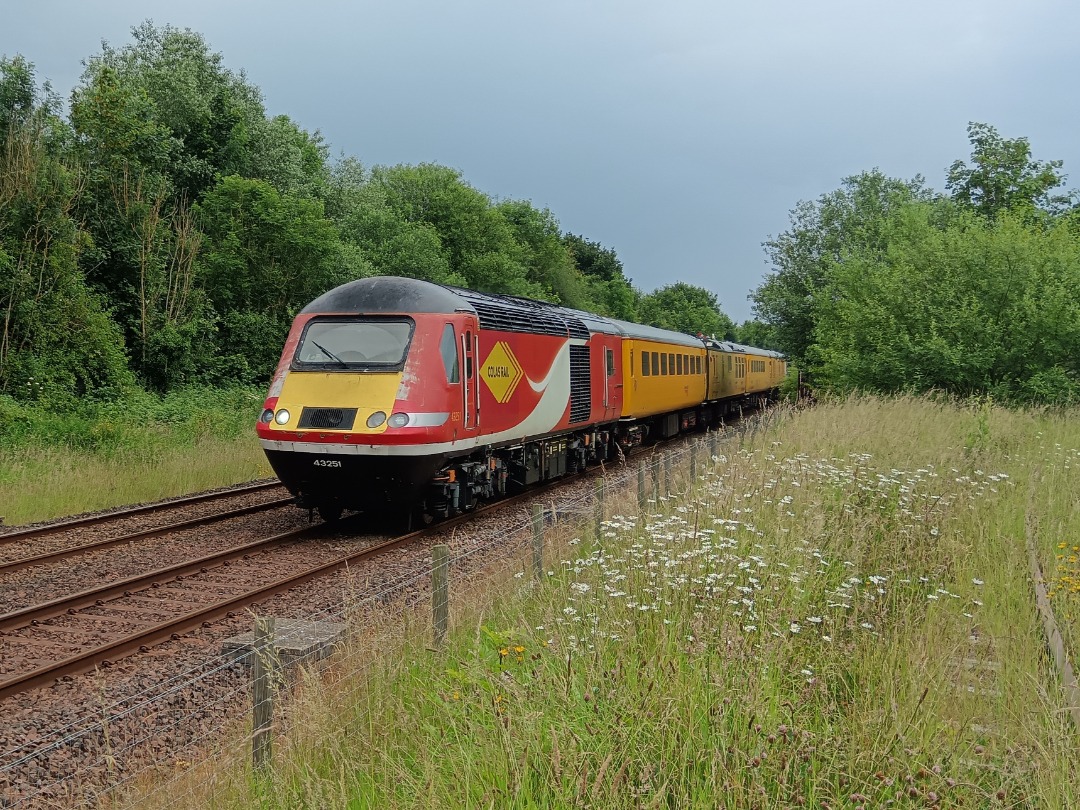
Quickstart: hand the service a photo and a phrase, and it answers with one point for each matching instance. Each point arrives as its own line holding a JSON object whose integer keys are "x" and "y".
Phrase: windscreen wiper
{"x": 330, "y": 354}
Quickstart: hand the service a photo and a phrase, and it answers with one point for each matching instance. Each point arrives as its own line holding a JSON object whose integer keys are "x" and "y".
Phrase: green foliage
{"x": 1003, "y": 177}
{"x": 56, "y": 340}
{"x": 547, "y": 261}
{"x": 610, "y": 289}
{"x": 974, "y": 307}
{"x": 821, "y": 233}
{"x": 756, "y": 333}
{"x": 686, "y": 308}
{"x": 141, "y": 421}
{"x": 481, "y": 246}
{"x": 265, "y": 255}
{"x": 886, "y": 286}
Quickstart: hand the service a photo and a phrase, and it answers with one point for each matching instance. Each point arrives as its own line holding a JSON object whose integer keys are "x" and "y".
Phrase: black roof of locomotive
{"x": 394, "y": 295}
{"x": 388, "y": 294}
{"x": 511, "y": 313}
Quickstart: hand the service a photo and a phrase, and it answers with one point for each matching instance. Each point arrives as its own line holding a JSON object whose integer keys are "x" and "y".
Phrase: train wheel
{"x": 419, "y": 518}
{"x": 330, "y": 512}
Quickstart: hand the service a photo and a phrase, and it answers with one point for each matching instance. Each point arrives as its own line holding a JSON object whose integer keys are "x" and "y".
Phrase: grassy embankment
{"x": 142, "y": 449}
{"x": 837, "y": 613}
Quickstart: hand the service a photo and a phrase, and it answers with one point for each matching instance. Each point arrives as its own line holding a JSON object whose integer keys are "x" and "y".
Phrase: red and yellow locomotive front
{"x": 403, "y": 393}
{"x": 367, "y": 390}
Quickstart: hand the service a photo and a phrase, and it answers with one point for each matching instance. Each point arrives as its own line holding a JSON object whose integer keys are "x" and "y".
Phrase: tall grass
{"x": 110, "y": 454}
{"x": 835, "y": 613}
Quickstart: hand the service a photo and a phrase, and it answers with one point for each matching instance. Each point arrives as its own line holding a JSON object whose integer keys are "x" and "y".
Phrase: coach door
{"x": 613, "y": 383}
{"x": 470, "y": 391}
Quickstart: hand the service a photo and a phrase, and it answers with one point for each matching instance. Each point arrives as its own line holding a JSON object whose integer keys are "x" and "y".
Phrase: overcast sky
{"x": 678, "y": 133}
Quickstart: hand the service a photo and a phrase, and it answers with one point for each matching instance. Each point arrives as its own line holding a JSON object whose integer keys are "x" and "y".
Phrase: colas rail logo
{"x": 501, "y": 372}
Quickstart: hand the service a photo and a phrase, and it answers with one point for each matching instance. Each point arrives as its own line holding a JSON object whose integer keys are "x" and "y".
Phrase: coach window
{"x": 671, "y": 362}
{"x": 644, "y": 364}
{"x": 448, "y": 350}
{"x": 663, "y": 363}
{"x": 655, "y": 363}
{"x": 678, "y": 364}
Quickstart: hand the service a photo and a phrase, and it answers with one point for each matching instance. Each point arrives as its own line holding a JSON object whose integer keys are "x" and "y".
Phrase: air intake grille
{"x": 580, "y": 395}
{"x": 518, "y": 319}
{"x": 328, "y": 418}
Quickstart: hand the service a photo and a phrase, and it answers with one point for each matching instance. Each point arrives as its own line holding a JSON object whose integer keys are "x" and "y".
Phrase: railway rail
{"x": 43, "y": 633}
{"x": 8, "y": 567}
{"x": 117, "y": 514}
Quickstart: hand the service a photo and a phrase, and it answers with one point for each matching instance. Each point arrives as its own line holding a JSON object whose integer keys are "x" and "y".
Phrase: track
{"x": 74, "y": 634}
{"x": 116, "y": 515}
{"x": 65, "y": 553}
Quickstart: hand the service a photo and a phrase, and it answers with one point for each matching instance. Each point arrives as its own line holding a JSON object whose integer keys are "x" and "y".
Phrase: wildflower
{"x": 977, "y": 581}
{"x": 519, "y": 649}
{"x": 504, "y": 652}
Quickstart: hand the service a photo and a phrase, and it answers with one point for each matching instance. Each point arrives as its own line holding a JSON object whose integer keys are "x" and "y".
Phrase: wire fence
{"x": 174, "y": 737}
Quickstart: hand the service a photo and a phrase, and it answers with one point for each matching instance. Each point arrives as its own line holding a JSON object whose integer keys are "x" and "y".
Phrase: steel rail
{"x": 83, "y": 599}
{"x": 159, "y": 506}
{"x": 52, "y": 556}
{"x": 171, "y": 630}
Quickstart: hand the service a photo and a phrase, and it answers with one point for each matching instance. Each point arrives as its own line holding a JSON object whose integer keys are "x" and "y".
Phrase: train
{"x": 402, "y": 396}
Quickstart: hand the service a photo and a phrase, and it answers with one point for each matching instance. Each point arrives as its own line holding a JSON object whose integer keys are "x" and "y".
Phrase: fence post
{"x": 693, "y": 461}
{"x": 599, "y": 507}
{"x": 656, "y": 482}
{"x": 263, "y": 669}
{"x": 712, "y": 444}
{"x": 538, "y": 540}
{"x": 440, "y": 591}
{"x": 641, "y": 486}
{"x": 667, "y": 472}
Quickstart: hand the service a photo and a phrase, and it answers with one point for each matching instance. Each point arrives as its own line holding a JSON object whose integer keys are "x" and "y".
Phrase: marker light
{"x": 399, "y": 420}
{"x": 267, "y": 416}
{"x": 376, "y": 419}
{"x": 281, "y": 417}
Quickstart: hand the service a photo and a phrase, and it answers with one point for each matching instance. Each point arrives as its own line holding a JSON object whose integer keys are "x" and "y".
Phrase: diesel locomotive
{"x": 400, "y": 396}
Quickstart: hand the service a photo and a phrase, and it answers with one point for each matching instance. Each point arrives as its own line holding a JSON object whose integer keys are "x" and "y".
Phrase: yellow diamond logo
{"x": 501, "y": 372}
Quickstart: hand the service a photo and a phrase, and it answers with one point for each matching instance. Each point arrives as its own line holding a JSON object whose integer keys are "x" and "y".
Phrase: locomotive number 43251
{"x": 326, "y": 462}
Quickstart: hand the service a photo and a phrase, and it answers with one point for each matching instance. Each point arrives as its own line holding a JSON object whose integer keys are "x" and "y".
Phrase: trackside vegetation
{"x": 163, "y": 228}
{"x": 836, "y": 612}
{"x": 104, "y": 454}
{"x": 886, "y": 285}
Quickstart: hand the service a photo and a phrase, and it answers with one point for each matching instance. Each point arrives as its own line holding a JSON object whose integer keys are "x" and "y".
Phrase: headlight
{"x": 376, "y": 419}
{"x": 281, "y": 417}
{"x": 267, "y": 416}
{"x": 399, "y": 420}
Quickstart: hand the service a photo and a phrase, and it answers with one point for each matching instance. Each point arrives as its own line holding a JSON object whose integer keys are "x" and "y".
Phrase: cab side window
{"x": 448, "y": 350}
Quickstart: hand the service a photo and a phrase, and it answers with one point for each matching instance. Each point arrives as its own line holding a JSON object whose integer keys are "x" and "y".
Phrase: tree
{"x": 821, "y": 233}
{"x": 1003, "y": 177}
{"x": 57, "y": 342}
{"x": 611, "y": 290}
{"x": 684, "y": 307}
{"x": 481, "y": 245}
{"x": 756, "y": 333}
{"x": 972, "y": 307}
{"x": 266, "y": 255}
{"x": 546, "y": 259}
